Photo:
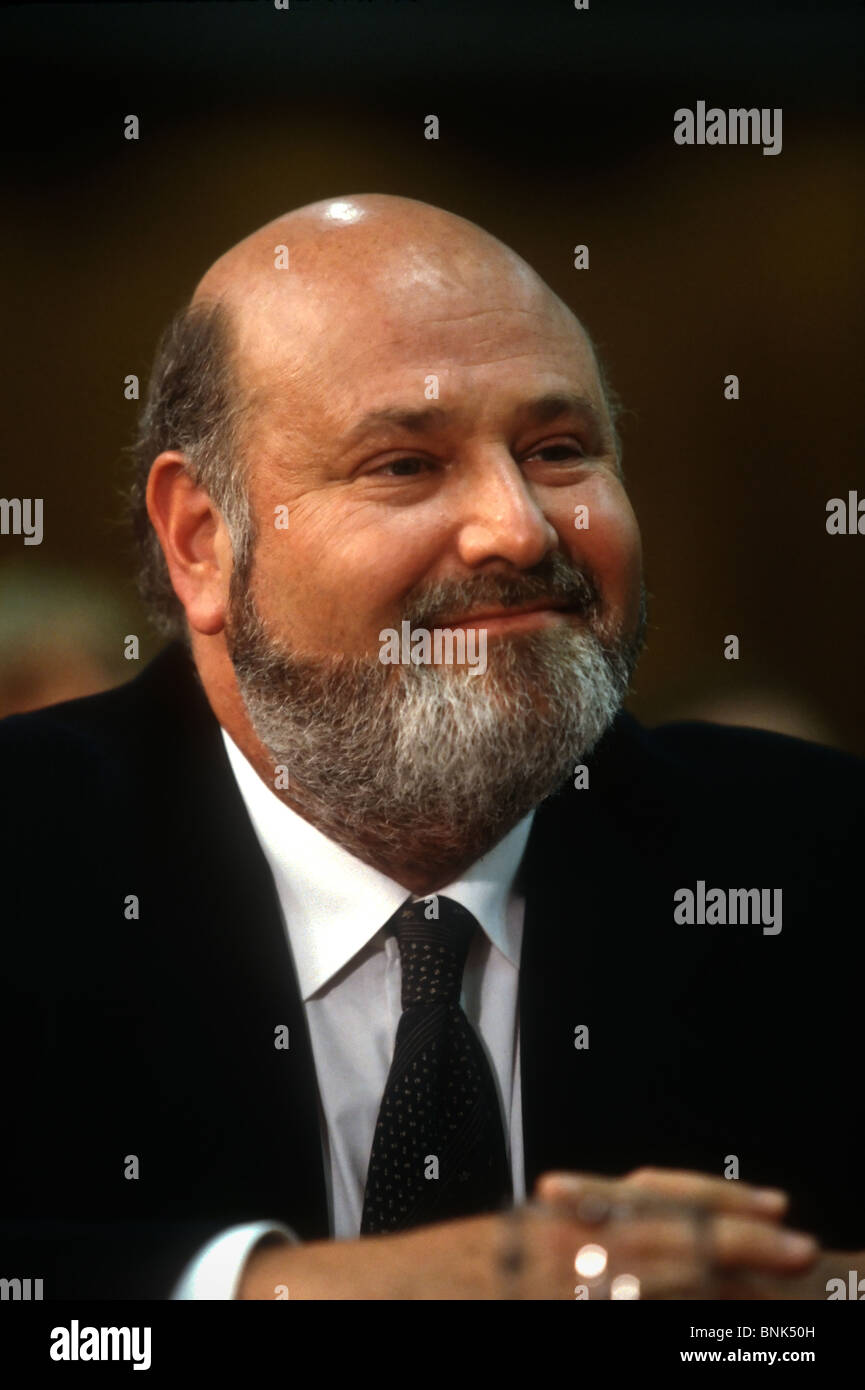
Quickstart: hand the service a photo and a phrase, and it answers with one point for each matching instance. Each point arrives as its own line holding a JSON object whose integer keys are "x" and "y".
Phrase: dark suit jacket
{"x": 154, "y": 1036}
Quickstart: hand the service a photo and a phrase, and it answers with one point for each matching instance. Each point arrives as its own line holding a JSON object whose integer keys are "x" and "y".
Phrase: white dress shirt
{"x": 334, "y": 908}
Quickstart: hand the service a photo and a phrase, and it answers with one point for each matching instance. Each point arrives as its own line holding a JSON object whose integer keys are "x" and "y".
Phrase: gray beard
{"x": 425, "y": 765}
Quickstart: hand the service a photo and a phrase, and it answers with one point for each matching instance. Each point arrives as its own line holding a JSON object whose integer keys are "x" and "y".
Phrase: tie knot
{"x": 433, "y": 952}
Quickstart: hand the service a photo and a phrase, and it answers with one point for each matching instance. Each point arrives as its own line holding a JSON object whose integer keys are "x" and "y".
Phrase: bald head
{"x": 367, "y": 244}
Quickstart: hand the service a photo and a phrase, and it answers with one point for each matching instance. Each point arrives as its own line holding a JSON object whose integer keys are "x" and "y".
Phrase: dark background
{"x": 556, "y": 129}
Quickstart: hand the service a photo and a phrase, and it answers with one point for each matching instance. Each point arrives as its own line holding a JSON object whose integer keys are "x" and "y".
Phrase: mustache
{"x": 555, "y": 578}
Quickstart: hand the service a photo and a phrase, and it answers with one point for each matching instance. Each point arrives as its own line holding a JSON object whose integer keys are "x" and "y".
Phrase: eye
{"x": 404, "y": 467}
{"x": 558, "y": 453}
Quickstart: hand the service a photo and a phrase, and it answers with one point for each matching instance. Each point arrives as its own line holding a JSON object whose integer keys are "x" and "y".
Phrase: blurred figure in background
{"x": 61, "y": 636}
{"x": 757, "y": 707}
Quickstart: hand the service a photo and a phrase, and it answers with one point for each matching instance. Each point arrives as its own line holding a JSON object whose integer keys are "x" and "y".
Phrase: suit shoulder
{"x": 82, "y": 736}
{"x": 715, "y": 770}
{"x": 73, "y": 731}
{"x": 725, "y": 753}
{"x": 703, "y": 789}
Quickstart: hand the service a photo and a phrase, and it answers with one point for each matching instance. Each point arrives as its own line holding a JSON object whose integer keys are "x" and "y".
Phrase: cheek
{"x": 335, "y": 577}
{"x": 610, "y": 545}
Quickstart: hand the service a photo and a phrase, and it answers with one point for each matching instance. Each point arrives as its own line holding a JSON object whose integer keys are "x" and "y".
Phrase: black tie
{"x": 439, "y": 1148}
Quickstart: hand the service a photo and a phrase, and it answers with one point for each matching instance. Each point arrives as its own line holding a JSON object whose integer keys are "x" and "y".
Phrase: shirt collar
{"x": 334, "y": 904}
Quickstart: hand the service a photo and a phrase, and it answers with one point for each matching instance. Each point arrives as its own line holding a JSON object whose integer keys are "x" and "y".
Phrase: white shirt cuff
{"x": 216, "y": 1270}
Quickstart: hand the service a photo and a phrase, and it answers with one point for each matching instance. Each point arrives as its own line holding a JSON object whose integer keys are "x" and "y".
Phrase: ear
{"x": 194, "y": 540}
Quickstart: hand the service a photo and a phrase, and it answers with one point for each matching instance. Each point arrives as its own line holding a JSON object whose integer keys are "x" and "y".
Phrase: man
{"x": 344, "y": 950}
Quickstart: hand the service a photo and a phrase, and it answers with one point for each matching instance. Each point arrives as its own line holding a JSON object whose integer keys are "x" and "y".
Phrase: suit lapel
{"x": 565, "y": 959}
{"x": 256, "y": 1111}
{"x": 600, "y": 953}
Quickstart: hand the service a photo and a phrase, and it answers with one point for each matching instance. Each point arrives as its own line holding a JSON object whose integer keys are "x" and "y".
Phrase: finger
{"x": 671, "y": 1185}
{"x": 726, "y": 1242}
{"x": 723, "y": 1194}
{"x": 561, "y": 1184}
{"x": 581, "y": 1197}
{"x": 738, "y": 1242}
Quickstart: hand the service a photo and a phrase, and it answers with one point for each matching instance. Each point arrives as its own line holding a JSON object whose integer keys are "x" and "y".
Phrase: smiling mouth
{"x": 544, "y": 612}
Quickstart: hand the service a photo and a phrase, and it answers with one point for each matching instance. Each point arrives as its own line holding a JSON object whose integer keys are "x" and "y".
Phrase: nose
{"x": 502, "y": 519}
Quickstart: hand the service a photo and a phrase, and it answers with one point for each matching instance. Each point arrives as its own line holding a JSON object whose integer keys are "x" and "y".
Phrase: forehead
{"x": 315, "y": 354}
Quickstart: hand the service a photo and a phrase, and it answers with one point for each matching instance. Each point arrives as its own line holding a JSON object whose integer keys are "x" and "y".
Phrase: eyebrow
{"x": 541, "y": 411}
{"x": 547, "y": 408}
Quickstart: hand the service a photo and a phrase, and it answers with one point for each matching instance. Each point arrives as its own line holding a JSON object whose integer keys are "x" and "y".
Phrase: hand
{"x": 468, "y": 1259}
{"x": 733, "y": 1243}
{"x": 465, "y": 1259}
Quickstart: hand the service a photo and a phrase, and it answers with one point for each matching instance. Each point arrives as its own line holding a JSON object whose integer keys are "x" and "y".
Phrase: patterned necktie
{"x": 439, "y": 1148}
